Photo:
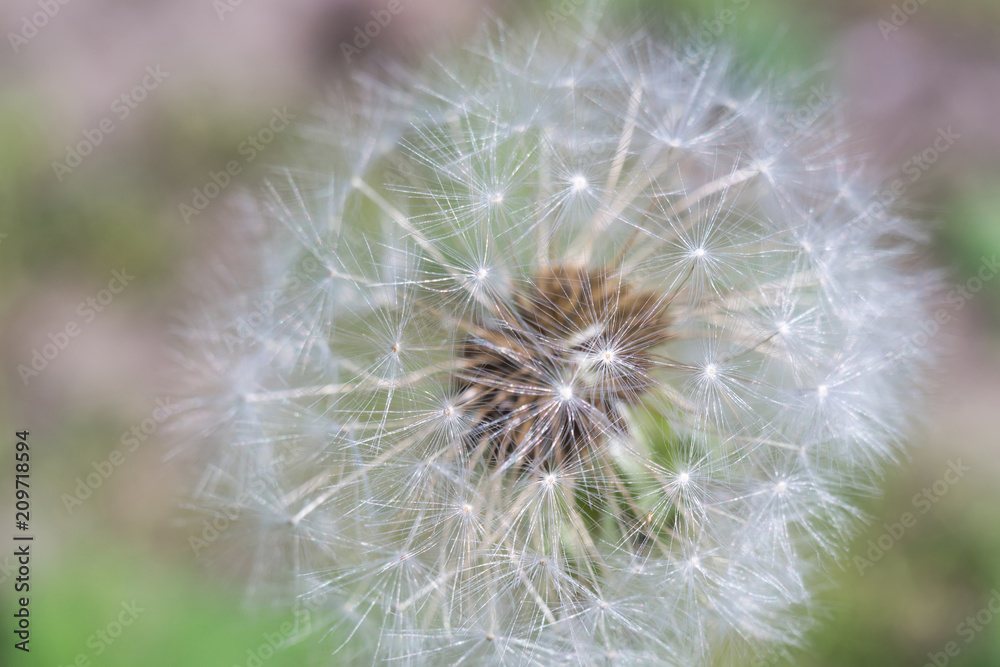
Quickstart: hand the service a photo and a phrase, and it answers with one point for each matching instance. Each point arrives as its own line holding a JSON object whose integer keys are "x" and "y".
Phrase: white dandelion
{"x": 596, "y": 381}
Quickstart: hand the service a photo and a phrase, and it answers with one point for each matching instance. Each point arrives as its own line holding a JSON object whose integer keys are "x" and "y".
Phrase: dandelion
{"x": 580, "y": 355}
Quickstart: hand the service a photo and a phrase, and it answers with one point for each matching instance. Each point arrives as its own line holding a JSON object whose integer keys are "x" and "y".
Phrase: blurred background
{"x": 114, "y": 114}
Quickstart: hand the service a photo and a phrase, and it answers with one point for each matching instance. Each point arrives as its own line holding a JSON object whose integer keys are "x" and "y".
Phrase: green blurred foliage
{"x": 916, "y": 596}
{"x": 94, "y": 219}
{"x": 972, "y": 237}
{"x": 173, "y": 616}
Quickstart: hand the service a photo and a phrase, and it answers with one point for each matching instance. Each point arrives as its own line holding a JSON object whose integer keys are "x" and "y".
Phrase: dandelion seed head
{"x": 540, "y": 371}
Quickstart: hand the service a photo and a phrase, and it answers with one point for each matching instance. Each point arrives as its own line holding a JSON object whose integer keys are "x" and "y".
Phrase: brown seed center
{"x": 545, "y": 382}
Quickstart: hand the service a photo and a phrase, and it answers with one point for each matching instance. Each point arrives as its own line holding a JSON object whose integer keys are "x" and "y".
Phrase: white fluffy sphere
{"x": 563, "y": 355}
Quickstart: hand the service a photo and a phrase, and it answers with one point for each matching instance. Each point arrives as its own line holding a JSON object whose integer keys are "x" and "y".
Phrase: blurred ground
{"x": 225, "y": 69}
